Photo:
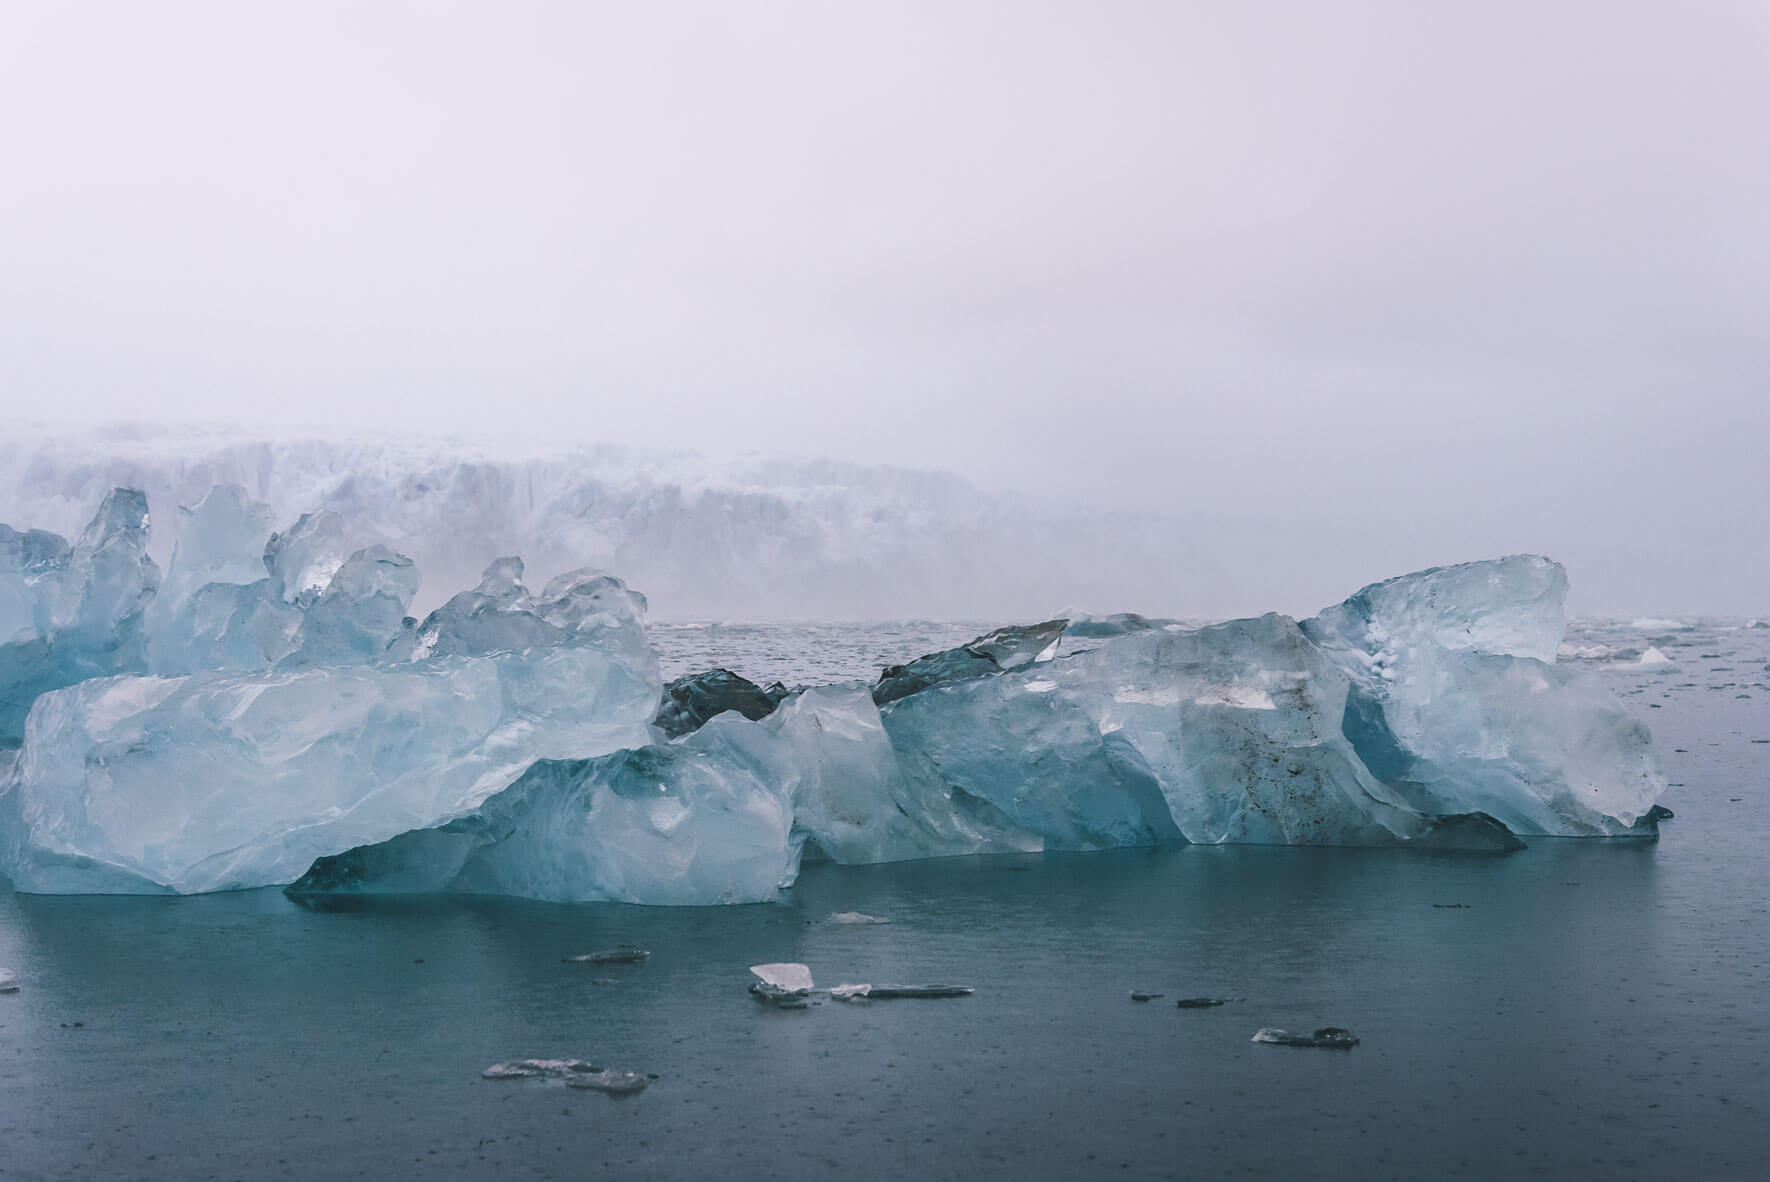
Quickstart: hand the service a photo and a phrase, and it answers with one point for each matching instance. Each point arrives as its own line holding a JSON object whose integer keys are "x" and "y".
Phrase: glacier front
{"x": 268, "y": 713}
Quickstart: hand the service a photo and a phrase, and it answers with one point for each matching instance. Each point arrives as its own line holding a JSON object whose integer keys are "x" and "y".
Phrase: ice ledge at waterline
{"x": 267, "y": 708}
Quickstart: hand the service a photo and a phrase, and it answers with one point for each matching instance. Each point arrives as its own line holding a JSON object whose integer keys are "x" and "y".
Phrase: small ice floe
{"x": 1203, "y": 1003}
{"x": 625, "y": 954}
{"x": 1325, "y": 1036}
{"x": 854, "y": 918}
{"x": 539, "y": 1069}
{"x": 1138, "y": 996}
{"x": 8, "y": 981}
{"x": 612, "y": 1080}
{"x": 880, "y": 992}
{"x": 785, "y": 985}
{"x": 1653, "y": 658}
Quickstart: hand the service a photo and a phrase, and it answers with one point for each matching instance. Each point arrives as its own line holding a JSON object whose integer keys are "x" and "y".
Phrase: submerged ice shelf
{"x": 267, "y": 712}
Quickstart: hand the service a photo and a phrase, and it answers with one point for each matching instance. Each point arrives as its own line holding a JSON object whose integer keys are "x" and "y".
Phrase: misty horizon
{"x": 1348, "y": 292}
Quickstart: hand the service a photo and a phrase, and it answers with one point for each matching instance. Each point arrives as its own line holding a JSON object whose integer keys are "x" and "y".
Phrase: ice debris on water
{"x": 269, "y": 713}
{"x": 787, "y": 986}
{"x": 1325, "y": 1036}
{"x": 8, "y": 981}
{"x": 622, "y": 955}
{"x": 613, "y": 1081}
{"x": 790, "y": 987}
{"x": 796, "y": 977}
{"x": 1138, "y": 996}
{"x": 1204, "y": 1003}
{"x": 538, "y": 1069}
{"x": 885, "y": 992}
{"x": 576, "y": 1073}
{"x": 854, "y": 919}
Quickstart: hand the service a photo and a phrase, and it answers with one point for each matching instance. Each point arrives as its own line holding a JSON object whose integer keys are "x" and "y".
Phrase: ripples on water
{"x": 1591, "y": 1009}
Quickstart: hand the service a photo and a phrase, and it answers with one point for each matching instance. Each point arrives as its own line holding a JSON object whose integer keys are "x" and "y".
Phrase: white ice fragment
{"x": 8, "y": 981}
{"x": 796, "y": 977}
{"x": 537, "y": 1069}
{"x": 849, "y": 992}
{"x": 1653, "y": 657}
{"x": 854, "y": 917}
{"x": 612, "y": 1080}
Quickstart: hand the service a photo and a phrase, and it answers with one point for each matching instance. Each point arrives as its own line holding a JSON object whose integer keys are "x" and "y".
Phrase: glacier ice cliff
{"x": 734, "y": 539}
{"x": 270, "y": 713}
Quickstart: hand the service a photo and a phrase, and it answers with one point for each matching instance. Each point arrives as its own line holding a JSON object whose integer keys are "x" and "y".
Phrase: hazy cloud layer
{"x": 1349, "y": 288}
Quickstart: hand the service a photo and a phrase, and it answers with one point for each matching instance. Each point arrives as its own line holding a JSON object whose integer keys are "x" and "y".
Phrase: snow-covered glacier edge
{"x": 216, "y": 730}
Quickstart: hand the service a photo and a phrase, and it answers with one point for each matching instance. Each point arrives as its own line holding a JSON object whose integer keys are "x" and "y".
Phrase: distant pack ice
{"x": 267, "y": 712}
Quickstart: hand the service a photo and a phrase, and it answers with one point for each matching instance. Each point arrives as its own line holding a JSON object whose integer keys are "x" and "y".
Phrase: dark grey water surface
{"x": 1592, "y": 1009}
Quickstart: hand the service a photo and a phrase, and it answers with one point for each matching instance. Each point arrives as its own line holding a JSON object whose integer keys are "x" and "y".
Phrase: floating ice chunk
{"x": 539, "y": 1069}
{"x": 854, "y": 918}
{"x": 785, "y": 985}
{"x": 1326, "y": 1036}
{"x": 1456, "y": 707}
{"x": 1138, "y": 995}
{"x": 8, "y": 981}
{"x": 1203, "y": 1003}
{"x": 1653, "y": 658}
{"x": 611, "y": 1080}
{"x": 610, "y": 956}
{"x": 847, "y": 992}
{"x": 886, "y": 992}
{"x": 784, "y": 976}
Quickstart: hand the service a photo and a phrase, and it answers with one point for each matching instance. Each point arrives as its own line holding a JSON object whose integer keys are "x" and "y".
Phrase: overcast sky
{"x": 1409, "y": 282}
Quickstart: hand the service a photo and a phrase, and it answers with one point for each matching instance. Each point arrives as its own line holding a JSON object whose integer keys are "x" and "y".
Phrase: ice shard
{"x": 73, "y": 612}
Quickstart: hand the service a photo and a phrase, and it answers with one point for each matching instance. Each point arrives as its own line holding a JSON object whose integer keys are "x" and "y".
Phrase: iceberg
{"x": 1424, "y": 711}
{"x": 270, "y": 713}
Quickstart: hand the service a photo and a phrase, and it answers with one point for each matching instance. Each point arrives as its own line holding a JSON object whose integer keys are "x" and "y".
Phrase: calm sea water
{"x": 1591, "y": 1009}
